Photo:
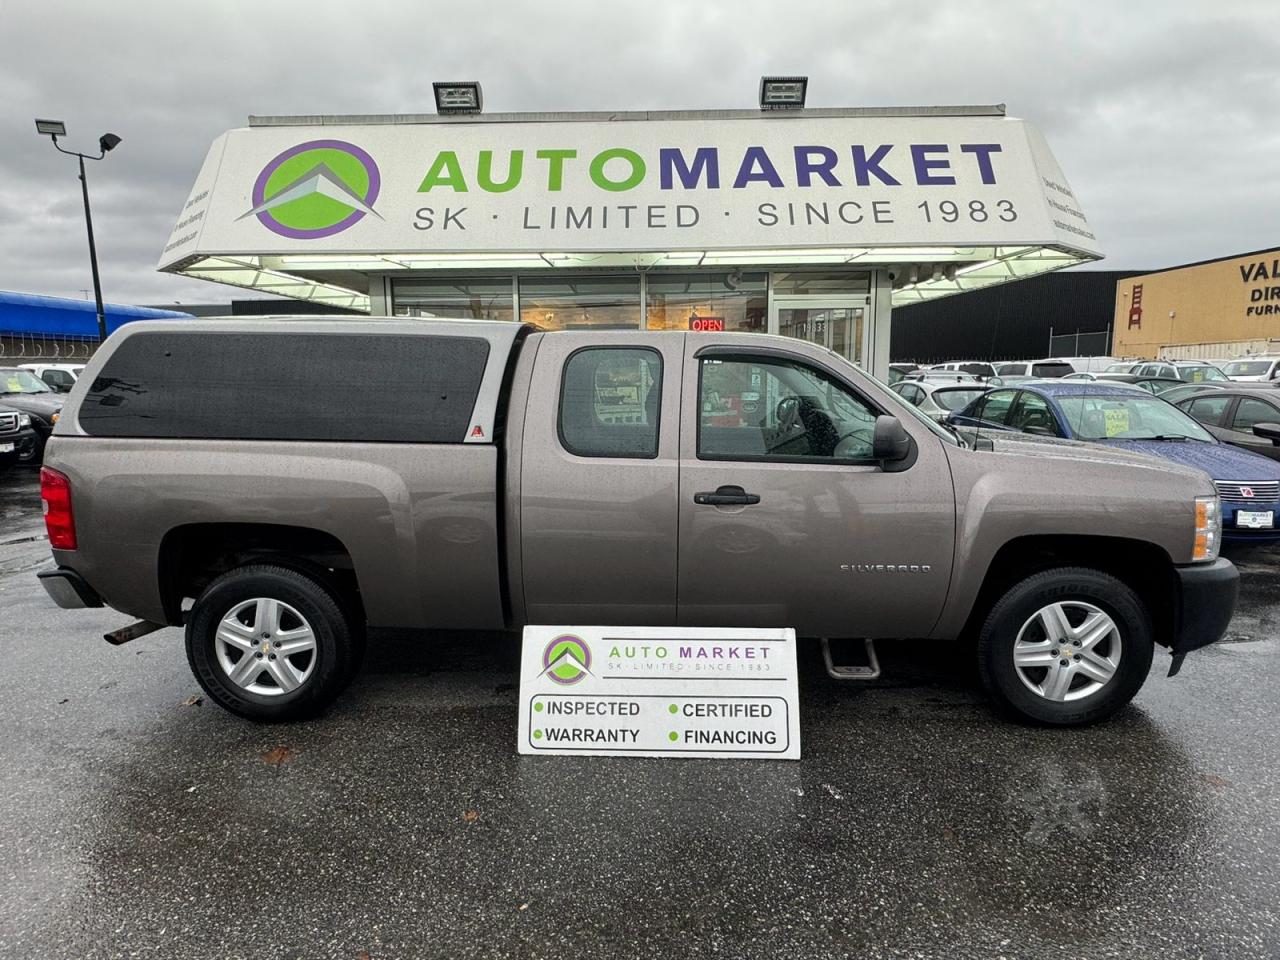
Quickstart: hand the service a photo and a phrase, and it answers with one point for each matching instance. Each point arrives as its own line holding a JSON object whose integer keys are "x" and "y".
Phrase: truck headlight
{"x": 24, "y": 420}
{"x": 1208, "y": 529}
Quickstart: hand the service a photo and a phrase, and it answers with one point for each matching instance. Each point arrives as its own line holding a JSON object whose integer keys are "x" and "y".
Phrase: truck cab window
{"x": 610, "y": 401}
{"x": 778, "y": 410}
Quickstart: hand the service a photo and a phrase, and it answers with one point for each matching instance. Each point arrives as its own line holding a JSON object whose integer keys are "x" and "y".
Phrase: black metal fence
{"x": 38, "y": 348}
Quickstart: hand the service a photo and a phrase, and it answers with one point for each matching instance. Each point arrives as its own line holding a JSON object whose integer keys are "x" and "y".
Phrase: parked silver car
{"x": 938, "y": 400}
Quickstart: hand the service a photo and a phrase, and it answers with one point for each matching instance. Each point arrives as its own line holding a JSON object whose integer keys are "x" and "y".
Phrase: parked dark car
{"x": 1118, "y": 415}
{"x": 23, "y": 390}
{"x": 1233, "y": 416}
{"x": 1150, "y": 384}
{"x": 15, "y": 432}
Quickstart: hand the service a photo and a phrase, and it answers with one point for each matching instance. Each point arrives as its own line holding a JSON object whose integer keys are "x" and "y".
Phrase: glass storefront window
{"x": 577, "y": 302}
{"x": 707, "y": 301}
{"x": 821, "y": 283}
{"x": 470, "y": 299}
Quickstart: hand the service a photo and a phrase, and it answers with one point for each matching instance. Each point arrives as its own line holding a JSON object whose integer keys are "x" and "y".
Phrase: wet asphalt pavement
{"x": 135, "y": 823}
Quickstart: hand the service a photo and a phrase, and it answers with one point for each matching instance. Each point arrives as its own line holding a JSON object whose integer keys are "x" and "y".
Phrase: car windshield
{"x": 1010, "y": 369}
{"x": 1200, "y": 373}
{"x": 1127, "y": 417}
{"x": 1248, "y": 368}
{"x": 978, "y": 369}
{"x": 1051, "y": 370}
{"x": 1119, "y": 367}
{"x": 13, "y": 381}
{"x": 955, "y": 398}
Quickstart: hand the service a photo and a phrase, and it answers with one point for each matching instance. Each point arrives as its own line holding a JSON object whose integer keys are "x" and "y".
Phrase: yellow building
{"x": 1213, "y": 309}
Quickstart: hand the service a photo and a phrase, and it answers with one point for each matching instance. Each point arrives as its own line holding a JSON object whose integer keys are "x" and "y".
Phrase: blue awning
{"x": 28, "y": 314}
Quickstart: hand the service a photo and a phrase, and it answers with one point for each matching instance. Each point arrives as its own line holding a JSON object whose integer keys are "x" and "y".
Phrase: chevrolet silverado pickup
{"x": 485, "y": 475}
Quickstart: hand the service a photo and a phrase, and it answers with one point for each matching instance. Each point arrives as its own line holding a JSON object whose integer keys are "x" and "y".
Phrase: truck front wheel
{"x": 1066, "y": 647}
{"x": 270, "y": 643}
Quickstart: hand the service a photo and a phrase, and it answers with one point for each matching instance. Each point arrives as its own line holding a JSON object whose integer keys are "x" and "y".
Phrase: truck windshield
{"x": 1129, "y": 418}
{"x": 1248, "y": 368}
{"x": 21, "y": 381}
{"x": 1200, "y": 373}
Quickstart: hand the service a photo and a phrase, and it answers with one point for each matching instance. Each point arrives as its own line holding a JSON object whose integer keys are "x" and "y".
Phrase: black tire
{"x": 1021, "y": 602}
{"x": 336, "y": 644}
{"x": 31, "y": 451}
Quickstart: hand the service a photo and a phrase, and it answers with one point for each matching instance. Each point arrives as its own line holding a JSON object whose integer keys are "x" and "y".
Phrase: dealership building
{"x": 812, "y": 223}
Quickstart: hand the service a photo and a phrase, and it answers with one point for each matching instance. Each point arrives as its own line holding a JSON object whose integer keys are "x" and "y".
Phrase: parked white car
{"x": 1089, "y": 364}
{"x": 1049, "y": 368}
{"x": 978, "y": 368}
{"x": 59, "y": 376}
{"x": 1253, "y": 369}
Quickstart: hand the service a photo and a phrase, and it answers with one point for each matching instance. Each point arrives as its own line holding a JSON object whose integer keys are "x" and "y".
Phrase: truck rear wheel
{"x": 270, "y": 643}
{"x": 1066, "y": 647}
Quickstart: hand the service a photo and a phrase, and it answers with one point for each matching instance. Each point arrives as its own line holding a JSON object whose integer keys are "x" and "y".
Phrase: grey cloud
{"x": 1161, "y": 113}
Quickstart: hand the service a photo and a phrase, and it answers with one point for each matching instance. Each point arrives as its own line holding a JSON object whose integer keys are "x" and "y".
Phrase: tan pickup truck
{"x": 278, "y": 486}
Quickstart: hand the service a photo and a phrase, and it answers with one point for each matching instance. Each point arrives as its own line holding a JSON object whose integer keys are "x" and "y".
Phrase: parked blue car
{"x": 1118, "y": 415}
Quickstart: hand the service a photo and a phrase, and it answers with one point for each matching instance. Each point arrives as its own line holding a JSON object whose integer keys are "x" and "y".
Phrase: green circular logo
{"x": 315, "y": 189}
{"x": 566, "y": 659}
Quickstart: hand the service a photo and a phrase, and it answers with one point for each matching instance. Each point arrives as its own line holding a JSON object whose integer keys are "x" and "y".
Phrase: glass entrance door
{"x": 838, "y": 326}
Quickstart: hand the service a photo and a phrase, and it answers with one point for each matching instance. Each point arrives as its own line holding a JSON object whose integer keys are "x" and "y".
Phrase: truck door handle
{"x": 727, "y": 496}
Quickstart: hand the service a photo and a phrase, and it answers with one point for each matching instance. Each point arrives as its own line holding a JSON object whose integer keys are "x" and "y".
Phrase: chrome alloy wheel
{"x": 265, "y": 646}
{"x": 1067, "y": 651}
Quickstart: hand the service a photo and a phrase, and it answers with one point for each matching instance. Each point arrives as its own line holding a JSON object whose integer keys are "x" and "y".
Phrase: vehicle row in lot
{"x": 1120, "y": 416}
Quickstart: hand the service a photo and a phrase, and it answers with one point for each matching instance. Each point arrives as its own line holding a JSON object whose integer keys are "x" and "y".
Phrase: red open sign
{"x": 707, "y": 324}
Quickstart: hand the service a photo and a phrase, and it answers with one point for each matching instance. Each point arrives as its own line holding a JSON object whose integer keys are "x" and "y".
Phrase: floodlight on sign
{"x": 782, "y": 93}
{"x": 463, "y": 97}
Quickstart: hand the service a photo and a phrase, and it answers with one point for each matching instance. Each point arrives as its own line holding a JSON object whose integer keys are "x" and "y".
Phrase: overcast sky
{"x": 1162, "y": 114}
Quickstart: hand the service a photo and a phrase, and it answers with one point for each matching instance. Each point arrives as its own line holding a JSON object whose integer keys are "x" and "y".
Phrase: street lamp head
{"x": 51, "y": 128}
{"x": 108, "y": 142}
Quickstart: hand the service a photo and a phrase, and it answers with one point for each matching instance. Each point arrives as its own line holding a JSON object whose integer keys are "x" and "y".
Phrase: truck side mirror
{"x": 892, "y": 443}
{"x": 1268, "y": 431}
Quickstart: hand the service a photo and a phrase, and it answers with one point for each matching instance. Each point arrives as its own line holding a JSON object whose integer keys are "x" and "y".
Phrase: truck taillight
{"x": 55, "y": 491}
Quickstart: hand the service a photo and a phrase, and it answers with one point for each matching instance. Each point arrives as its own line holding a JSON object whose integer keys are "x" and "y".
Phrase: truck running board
{"x": 132, "y": 632}
{"x": 855, "y": 671}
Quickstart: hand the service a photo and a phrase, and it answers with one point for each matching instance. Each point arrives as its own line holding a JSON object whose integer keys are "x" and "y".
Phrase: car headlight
{"x": 54, "y": 418}
{"x": 1208, "y": 529}
{"x": 24, "y": 420}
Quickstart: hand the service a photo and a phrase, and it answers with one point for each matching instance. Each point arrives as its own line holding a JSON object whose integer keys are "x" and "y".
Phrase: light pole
{"x": 54, "y": 129}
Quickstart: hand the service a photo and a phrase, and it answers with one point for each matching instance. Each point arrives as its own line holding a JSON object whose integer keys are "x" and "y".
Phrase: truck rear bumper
{"x": 1206, "y": 602}
{"x": 68, "y": 589}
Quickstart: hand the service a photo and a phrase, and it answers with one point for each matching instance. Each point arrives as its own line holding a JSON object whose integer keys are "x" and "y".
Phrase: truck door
{"x": 599, "y": 475}
{"x": 785, "y": 520}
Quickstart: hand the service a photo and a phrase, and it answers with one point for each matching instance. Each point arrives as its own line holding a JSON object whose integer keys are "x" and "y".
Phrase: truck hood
{"x": 1055, "y": 449}
{"x": 41, "y": 404}
{"x": 1221, "y": 461}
